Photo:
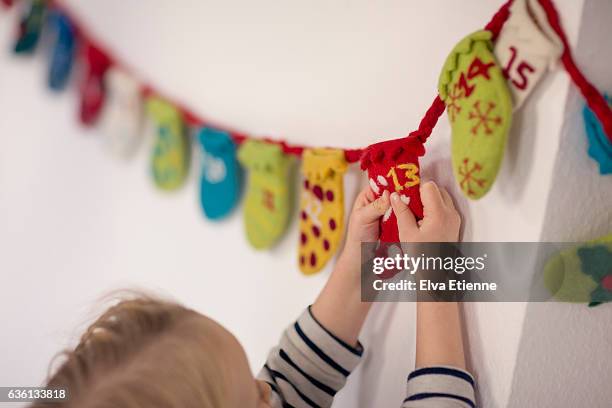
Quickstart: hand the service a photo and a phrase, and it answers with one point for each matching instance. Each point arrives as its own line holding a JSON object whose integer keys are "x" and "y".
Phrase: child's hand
{"x": 440, "y": 222}
{"x": 364, "y": 221}
{"x": 339, "y": 307}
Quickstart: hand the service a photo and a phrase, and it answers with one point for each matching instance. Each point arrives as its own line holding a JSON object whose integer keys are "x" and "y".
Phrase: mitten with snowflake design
{"x": 479, "y": 107}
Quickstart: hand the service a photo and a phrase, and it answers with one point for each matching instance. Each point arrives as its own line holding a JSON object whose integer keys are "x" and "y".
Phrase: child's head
{"x": 151, "y": 353}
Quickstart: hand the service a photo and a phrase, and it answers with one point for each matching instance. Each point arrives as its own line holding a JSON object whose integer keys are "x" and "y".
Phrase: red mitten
{"x": 92, "y": 88}
{"x": 394, "y": 166}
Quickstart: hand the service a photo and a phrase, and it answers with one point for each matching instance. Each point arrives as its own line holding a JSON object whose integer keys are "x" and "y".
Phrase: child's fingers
{"x": 374, "y": 210}
{"x": 433, "y": 205}
{"x": 406, "y": 223}
{"x": 370, "y": 195}
{"x": 446, "y": 197}
{"x": 362, "y": 198}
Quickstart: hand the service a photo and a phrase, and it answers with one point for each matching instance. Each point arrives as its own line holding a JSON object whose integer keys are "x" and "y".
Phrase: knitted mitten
{"x": 220, "y": 183}
{"x": 322, "y": 207}
{"x": 62, "y": 57}
{"x": 30, "y": 27}
{"x": 526, "y": 47}
{"x": 582, "y": 274}
{"x": 600, "y": 147}
{"x": 394, "y": 166}
{"x": 122, "y": 117}
{"x": 170, "y": 161}
{"x": 268, "y": 197}
{"x": 479, "y": 107}
{"x": 92, "y": 88}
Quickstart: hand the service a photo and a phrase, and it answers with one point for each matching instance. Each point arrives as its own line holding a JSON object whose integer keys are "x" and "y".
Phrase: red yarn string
{"x": 593, "y": 97}
{"x": 499, "y": 19}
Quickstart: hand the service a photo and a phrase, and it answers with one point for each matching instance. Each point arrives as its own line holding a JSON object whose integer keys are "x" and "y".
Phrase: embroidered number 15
{"x": 523, "y": 68}
{"x": 411, "y": 171}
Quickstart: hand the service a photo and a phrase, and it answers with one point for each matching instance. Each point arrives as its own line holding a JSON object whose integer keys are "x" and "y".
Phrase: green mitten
{"x": 582, "y": 274}
{"x": 479, "y": 107}
{"x": 170, "y": 160}
{"x": 268, "y": 197}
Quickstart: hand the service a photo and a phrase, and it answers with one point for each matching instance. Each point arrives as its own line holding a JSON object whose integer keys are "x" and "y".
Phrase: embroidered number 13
{"x": 411, "y": 174}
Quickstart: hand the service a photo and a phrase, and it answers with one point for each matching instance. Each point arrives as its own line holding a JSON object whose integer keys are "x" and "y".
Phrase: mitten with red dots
{"x": 322, "y": 207}
{"x": 92, "y": 88}
{"x": 394, "y": 166}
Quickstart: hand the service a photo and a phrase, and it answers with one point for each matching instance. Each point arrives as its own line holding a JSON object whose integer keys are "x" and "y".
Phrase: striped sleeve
{"x": 440, "y": 387}
{"x": 309, "y": 365}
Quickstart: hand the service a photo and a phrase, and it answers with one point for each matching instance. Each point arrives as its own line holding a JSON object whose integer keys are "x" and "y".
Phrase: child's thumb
{"x": 406, "y": 222}
{"x": 376, "y": 209}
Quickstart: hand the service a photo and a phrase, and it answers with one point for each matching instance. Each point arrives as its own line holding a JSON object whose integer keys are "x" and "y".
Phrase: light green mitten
{"x": 479, "y": 107}
{"x": 170, "y": 161}
{"x": 582, "y": 274}
{"x": 268, "y": 198}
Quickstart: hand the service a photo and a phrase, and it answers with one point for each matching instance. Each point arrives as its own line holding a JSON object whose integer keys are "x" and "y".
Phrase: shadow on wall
{"x": 520, "y": 146}
{"x": 565, "y": 352}
{"x": 375, "y": 363}
{"x": 438, "y": 167}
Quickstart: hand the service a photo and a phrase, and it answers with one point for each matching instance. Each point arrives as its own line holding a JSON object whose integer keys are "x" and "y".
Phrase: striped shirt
{"x": 310, "y": 365}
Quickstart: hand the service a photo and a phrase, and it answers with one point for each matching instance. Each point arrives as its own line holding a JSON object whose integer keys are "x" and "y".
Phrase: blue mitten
{"x": 220, "y": 183}
{"x": 62, "y": 57}
{"x": 600, "y": 147}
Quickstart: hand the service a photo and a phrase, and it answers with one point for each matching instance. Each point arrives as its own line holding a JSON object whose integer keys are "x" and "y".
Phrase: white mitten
{"x": 122, "y": 120}
{"x": 526, "y": 48}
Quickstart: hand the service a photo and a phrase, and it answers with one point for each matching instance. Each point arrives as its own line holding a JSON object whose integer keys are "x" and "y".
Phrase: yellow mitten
{"x": 322, "y": 207}
{"x": 170, "y": 161}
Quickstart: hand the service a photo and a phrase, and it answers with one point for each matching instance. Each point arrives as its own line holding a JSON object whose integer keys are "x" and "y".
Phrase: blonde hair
{"x": 144, "y": 352}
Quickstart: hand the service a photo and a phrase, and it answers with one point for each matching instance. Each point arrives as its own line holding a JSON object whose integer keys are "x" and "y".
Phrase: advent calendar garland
{"x": 487, "y": 75}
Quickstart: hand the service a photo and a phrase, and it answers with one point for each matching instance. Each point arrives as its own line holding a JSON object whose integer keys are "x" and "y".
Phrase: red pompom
{"x": 92, "y": 89}
{"x": 394, "y": 166}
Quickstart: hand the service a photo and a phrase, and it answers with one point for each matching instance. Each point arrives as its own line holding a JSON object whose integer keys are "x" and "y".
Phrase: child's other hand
{"x": 364, "y": 221}
{"x": 440, "y": 223}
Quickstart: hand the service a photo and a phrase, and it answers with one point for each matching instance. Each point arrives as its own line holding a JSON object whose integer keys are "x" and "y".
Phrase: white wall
{"x": 573, "y": 340}
{"x": 75, "y": 224}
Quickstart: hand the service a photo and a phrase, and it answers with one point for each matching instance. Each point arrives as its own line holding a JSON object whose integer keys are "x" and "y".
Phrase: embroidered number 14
{"x": 411, "y": 171}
